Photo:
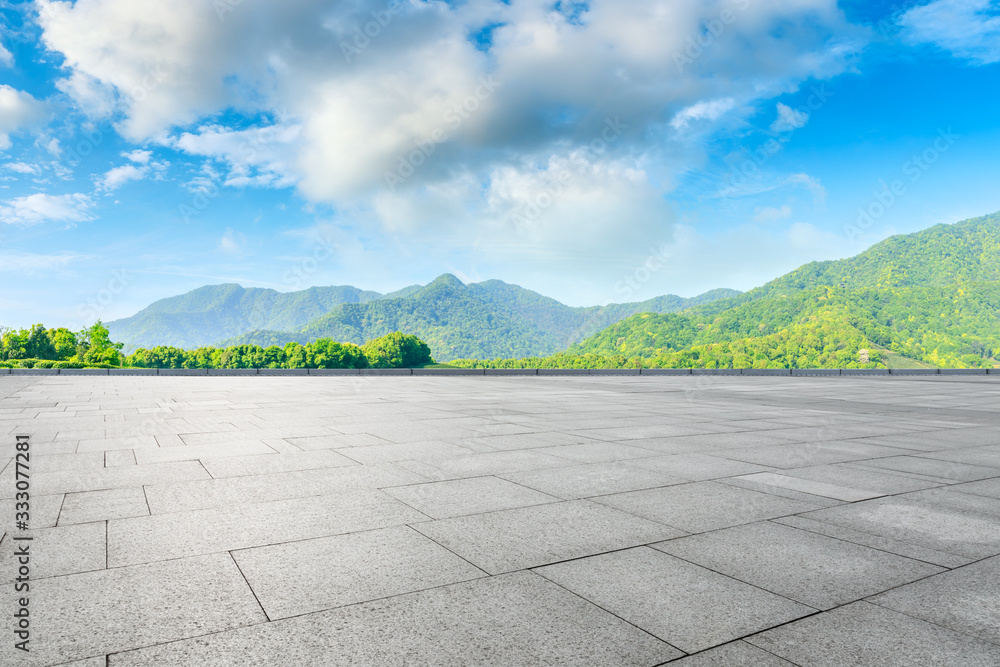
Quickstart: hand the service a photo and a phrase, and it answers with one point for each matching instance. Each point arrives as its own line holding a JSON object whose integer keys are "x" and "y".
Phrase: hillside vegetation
{"x": 930, "y": 298}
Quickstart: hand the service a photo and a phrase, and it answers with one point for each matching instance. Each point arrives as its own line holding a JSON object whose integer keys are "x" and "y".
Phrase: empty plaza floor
{"x": 592, "y": 521}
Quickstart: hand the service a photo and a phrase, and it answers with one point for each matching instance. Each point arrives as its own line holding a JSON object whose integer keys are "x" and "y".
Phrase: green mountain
{"x": 482, "y": 320}
{"x": 213, "y": 312}
{"x": 932, "y": 296}
{"x": 487, "y": 319}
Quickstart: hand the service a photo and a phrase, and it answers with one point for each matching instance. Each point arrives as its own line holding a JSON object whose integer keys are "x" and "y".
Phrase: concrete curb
{"x": 665, "y": 371}
{"x": 334, "y": 371}
{"x": 511, "y": 371}
{"x": 449, "y": 371}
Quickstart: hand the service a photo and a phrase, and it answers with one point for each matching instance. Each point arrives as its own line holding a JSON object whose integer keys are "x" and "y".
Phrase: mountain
{"x": 482, "y": 320}
{"x": 932, "y": 296}
{"x": 213, "y": 312}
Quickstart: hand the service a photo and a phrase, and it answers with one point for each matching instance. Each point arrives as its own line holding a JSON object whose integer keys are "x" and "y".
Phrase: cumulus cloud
{"x": 341, "y": 101}
{"x": 118, "y": 176}
{"x": 232, "y": 242}
{"x": 138, "y": 156}
{"x": 789, "y": 119}
{"x": 968, "y": 29}
{"x": 6, "y": 57}
{"x": 18, "y": 110}
{"x": 22, "y": 167}
{"x": 41, "y": 207}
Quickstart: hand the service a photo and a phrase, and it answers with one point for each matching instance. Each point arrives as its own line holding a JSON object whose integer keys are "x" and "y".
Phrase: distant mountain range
{"x": 482, "y": 320}
{"x": 932, "y": 297}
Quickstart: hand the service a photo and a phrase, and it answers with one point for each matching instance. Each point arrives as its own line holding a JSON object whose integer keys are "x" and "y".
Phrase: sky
{"x": 595, "y": 152}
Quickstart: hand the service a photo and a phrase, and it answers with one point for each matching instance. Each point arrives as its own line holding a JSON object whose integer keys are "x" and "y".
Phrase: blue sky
{"x": 150, "y": 148}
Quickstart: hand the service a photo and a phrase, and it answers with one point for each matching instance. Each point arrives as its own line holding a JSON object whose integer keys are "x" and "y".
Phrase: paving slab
{"x": 866, "y": 635}
{"x": 260, "y": 464}
{"x": 597, "y": 479}
{"x": 950, "y": 470}
{"x": 451, "y": 626}
{"x": 966, "y": 599}
{"x": 812, "y": 487}
{"x": 182, "y": 534}
{"x": 513, "y": 473}
{"x": 88, "y": 506}
{"x": 57, "y": 551}
{"x": 813, "y": 569}
{"x": 312, "y": 575}
{"x": 685, "y": 605}
{"x": 702, "y": 506}
{"x": 698, "y": 467}
{"x": 733, "y": 654}
{"x": 527, "y": 537}
{"x": 476, "y": 495}
{"x": 957, "y": 523}
{"x": 134, "y": 607}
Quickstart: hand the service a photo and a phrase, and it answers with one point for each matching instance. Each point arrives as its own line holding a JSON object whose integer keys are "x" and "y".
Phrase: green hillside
{"x": 926, "y": 299}
{"x": 214, "y": 312}
{"x": 481, "y": 320}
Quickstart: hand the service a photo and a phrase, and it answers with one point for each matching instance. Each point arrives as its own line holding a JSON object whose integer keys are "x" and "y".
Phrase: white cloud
{"x": 969, "y": 29}
{"x": 18, "y": 110}
{"x": 119, "y": 176}
{"x": 710, "y": 111}
{"x": 21, "y": 167}
{"x": 481, "y": 124}
{"x": 789, "y": 119}
{"x": 6, "y": 57}
{"x": 40, "y": 207}
{"x": 771, "y": 214}
{"x": 232, "y": 242}
{"x": 138, "y": 156}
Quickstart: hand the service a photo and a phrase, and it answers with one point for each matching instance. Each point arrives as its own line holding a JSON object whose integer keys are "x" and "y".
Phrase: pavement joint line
{"x": 247, "y": 581}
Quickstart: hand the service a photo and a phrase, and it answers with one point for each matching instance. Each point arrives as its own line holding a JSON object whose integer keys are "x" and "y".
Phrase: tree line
{"x": 39, "y": 347}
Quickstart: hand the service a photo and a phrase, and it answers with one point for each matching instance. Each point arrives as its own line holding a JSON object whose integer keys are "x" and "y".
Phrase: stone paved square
{"x": 550, "y": 520}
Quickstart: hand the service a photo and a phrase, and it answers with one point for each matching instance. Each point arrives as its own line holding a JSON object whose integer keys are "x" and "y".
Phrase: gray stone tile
{"x": 87, "y": 506}
{"x": 312, "y": 575}
{"x": 879, "y": 542}
{"x": 531, "y": 536}
{"x": 987, "y": 487}
{"x": 600, "y": 452}
{"x": 119, "y": 457}
{"x": 698, "y": 467}
{"x": 863, "y": 634}
{"x": 880, "y": 482}
{"x": 70, "y": 481}
{"x": 388, "y": 453}
{"x": 94, "y": 613}
{"x": 835, "y": 491}
{"x": 598, "y": 479}
{"x": 260, "y": 464}
{"x": 955, "y": 523}
{"x": 205, "y": 494}
{"x": 819, "y": 571}
{"x": 961, "y": 472}
{"x": 446, "y": 499}
{"x": 703, "y": 506}
{"x": 450, "y": 626}
{"x": 181, "y": 534}
{"x": 734, "y": 654}
{"x": 43, "y": 511}
{"x": 810, "y": 453}
{"x": 496, "y": 463}
{"x": 687, "y": 606}
{"x": 58, "y": 551}
{"x": 146, "y": 456}
{"x": 110, "y": 443}
{"x": 966, "y": 600}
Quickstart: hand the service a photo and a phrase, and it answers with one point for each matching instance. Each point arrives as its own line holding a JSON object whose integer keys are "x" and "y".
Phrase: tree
{"x": 397, "y": 350}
